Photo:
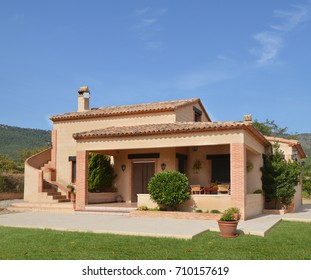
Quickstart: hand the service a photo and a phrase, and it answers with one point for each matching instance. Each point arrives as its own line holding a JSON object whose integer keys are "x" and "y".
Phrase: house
{"x": 144, "y": 139}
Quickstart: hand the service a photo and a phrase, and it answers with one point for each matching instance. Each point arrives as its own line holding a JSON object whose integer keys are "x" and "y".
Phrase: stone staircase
{"x": 51, "y": 189}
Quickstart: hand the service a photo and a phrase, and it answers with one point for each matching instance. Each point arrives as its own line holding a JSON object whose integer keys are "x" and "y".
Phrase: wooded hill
{"x": 15, "y": 139}
{"x": 305, "y": 140}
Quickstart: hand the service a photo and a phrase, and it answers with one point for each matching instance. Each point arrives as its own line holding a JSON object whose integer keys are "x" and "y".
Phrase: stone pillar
{"x": 53, "y": 156}
{"x": 40, "y": 181}
{"x": 238, "y": 177}
{"x": 82, "y": 180}
{"x": 54, "y": 149}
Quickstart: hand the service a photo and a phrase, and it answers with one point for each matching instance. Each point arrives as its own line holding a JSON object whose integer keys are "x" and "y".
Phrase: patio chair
{"x": 223, "y": 188}
{"x": 195, "y": 189}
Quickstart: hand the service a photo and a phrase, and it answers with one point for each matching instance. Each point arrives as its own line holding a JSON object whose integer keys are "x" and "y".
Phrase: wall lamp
{"x": 163, "y": 166}
{"x": 123, "y": 167}
{"x": 195, "y": 148}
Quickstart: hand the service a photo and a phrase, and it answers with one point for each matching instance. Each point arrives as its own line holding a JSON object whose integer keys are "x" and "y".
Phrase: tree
{"x": 279, "y": 177}
{"x": 101, "y": 173}
{"x": 6, "y": 164}
{"x": 169, "y": 188}
{"x": 306, "y": 187}
{"x": 306, "y": 169}
{"x": 270, "y": 128}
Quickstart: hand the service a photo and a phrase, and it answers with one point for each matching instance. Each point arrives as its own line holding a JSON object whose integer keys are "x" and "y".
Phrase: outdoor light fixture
{"x": 195, "y": 148}
{"x": 123, "y": 167}
{"x": 163, "y": 166}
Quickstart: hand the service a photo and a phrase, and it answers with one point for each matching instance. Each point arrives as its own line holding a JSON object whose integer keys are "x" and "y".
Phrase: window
{"x": 197, "y": 114}
{"x": 181, "y": 163}
{"x": 294, "y": 154}
{"x": 73, "y": 169}
{"x": 220, "y": 168}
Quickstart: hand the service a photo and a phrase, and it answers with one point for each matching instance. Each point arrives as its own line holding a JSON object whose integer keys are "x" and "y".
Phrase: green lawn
{"x": 287, "y": 240}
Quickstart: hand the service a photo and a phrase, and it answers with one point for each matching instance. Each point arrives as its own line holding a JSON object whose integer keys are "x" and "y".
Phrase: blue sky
{"x": 240, "y": 57}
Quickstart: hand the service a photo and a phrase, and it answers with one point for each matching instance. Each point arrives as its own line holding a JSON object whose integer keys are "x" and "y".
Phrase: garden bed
{"x": 7, "y": 195}
{"x": 174, "y": 215}
{"x": 104, "y": 197}
{"x": 275, "y": 211}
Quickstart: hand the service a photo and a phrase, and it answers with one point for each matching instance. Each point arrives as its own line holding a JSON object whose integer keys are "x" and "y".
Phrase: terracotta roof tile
{"x": 127, "y": 109}
{"x": 168, "y": 128}
{"x": 83, "y": 89}
{"x": 290, "y": 142}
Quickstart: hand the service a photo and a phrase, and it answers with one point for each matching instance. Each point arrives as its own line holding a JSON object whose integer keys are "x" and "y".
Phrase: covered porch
{"x": 207, "y": 158}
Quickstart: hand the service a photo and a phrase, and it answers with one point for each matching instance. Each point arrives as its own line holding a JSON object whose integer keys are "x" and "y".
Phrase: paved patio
{"x": 123, "y": 224}
{"x": 106, "y": 223}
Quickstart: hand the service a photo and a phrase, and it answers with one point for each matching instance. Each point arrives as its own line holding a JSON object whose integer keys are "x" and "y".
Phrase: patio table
{"x": 210, "y": 190}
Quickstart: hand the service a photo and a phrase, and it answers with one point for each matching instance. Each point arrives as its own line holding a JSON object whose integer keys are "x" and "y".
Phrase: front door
{"x": 142, "y": 173}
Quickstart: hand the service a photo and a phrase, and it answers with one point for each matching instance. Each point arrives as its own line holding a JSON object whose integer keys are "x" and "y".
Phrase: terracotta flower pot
{"x": 73, "y": 197}
{"x": 228, "y": 228}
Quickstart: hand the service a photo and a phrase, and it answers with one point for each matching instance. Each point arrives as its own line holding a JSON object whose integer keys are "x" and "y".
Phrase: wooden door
{"x": 142, "y": 173}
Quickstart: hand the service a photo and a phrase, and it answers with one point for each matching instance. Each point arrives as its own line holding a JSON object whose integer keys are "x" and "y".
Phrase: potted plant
{"x": 228, "y": 222}
{"x": 71, "y": 193}
{"x": 196, "y": 166}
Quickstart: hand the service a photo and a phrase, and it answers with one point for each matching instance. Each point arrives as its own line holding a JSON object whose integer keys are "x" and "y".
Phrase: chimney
{"x": 248, "y": 119}
{"x": 83, "y": 99}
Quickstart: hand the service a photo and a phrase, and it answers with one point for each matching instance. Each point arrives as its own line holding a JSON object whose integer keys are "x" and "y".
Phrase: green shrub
{"x": 12, "y": 182}
{"x": 215, "y": 211}
{"x": 306, "y": 186}
{"x": 231, "y": 214}
{"x": 305, "y": 195}
{"x": 6, "y": 164}
{"x": 143, "y": 208}
{"x": 257, "y": 191}
{"x": 101, "y": 173}
{"x": 198, "y": 211}
{"x": 169, "y": 189}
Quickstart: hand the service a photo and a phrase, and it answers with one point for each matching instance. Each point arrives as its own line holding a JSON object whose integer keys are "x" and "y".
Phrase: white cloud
{"x": 196, "y": 80}
{"x": 148, "y": 21}
{"x": 154, "y": 45}
{"x": 140, "y": 12}
{"x": 292, "y": 18}
{"x": 220, "y": 70}
{"x": 269, "y": 49}
{"x": 273, "y": 40}
{"x": 147, "y": 27}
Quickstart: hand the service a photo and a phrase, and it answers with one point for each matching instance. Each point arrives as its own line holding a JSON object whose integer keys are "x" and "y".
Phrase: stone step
{"x": 46, "y": 166}
{"x": 51, "y": 192}
{"x": 109, "y": 209}
{"x": 66, "y": 207}
{"x": 58, "y": 196}
{"x": 103, "y": 213}
{"x": 62, "y": 200}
